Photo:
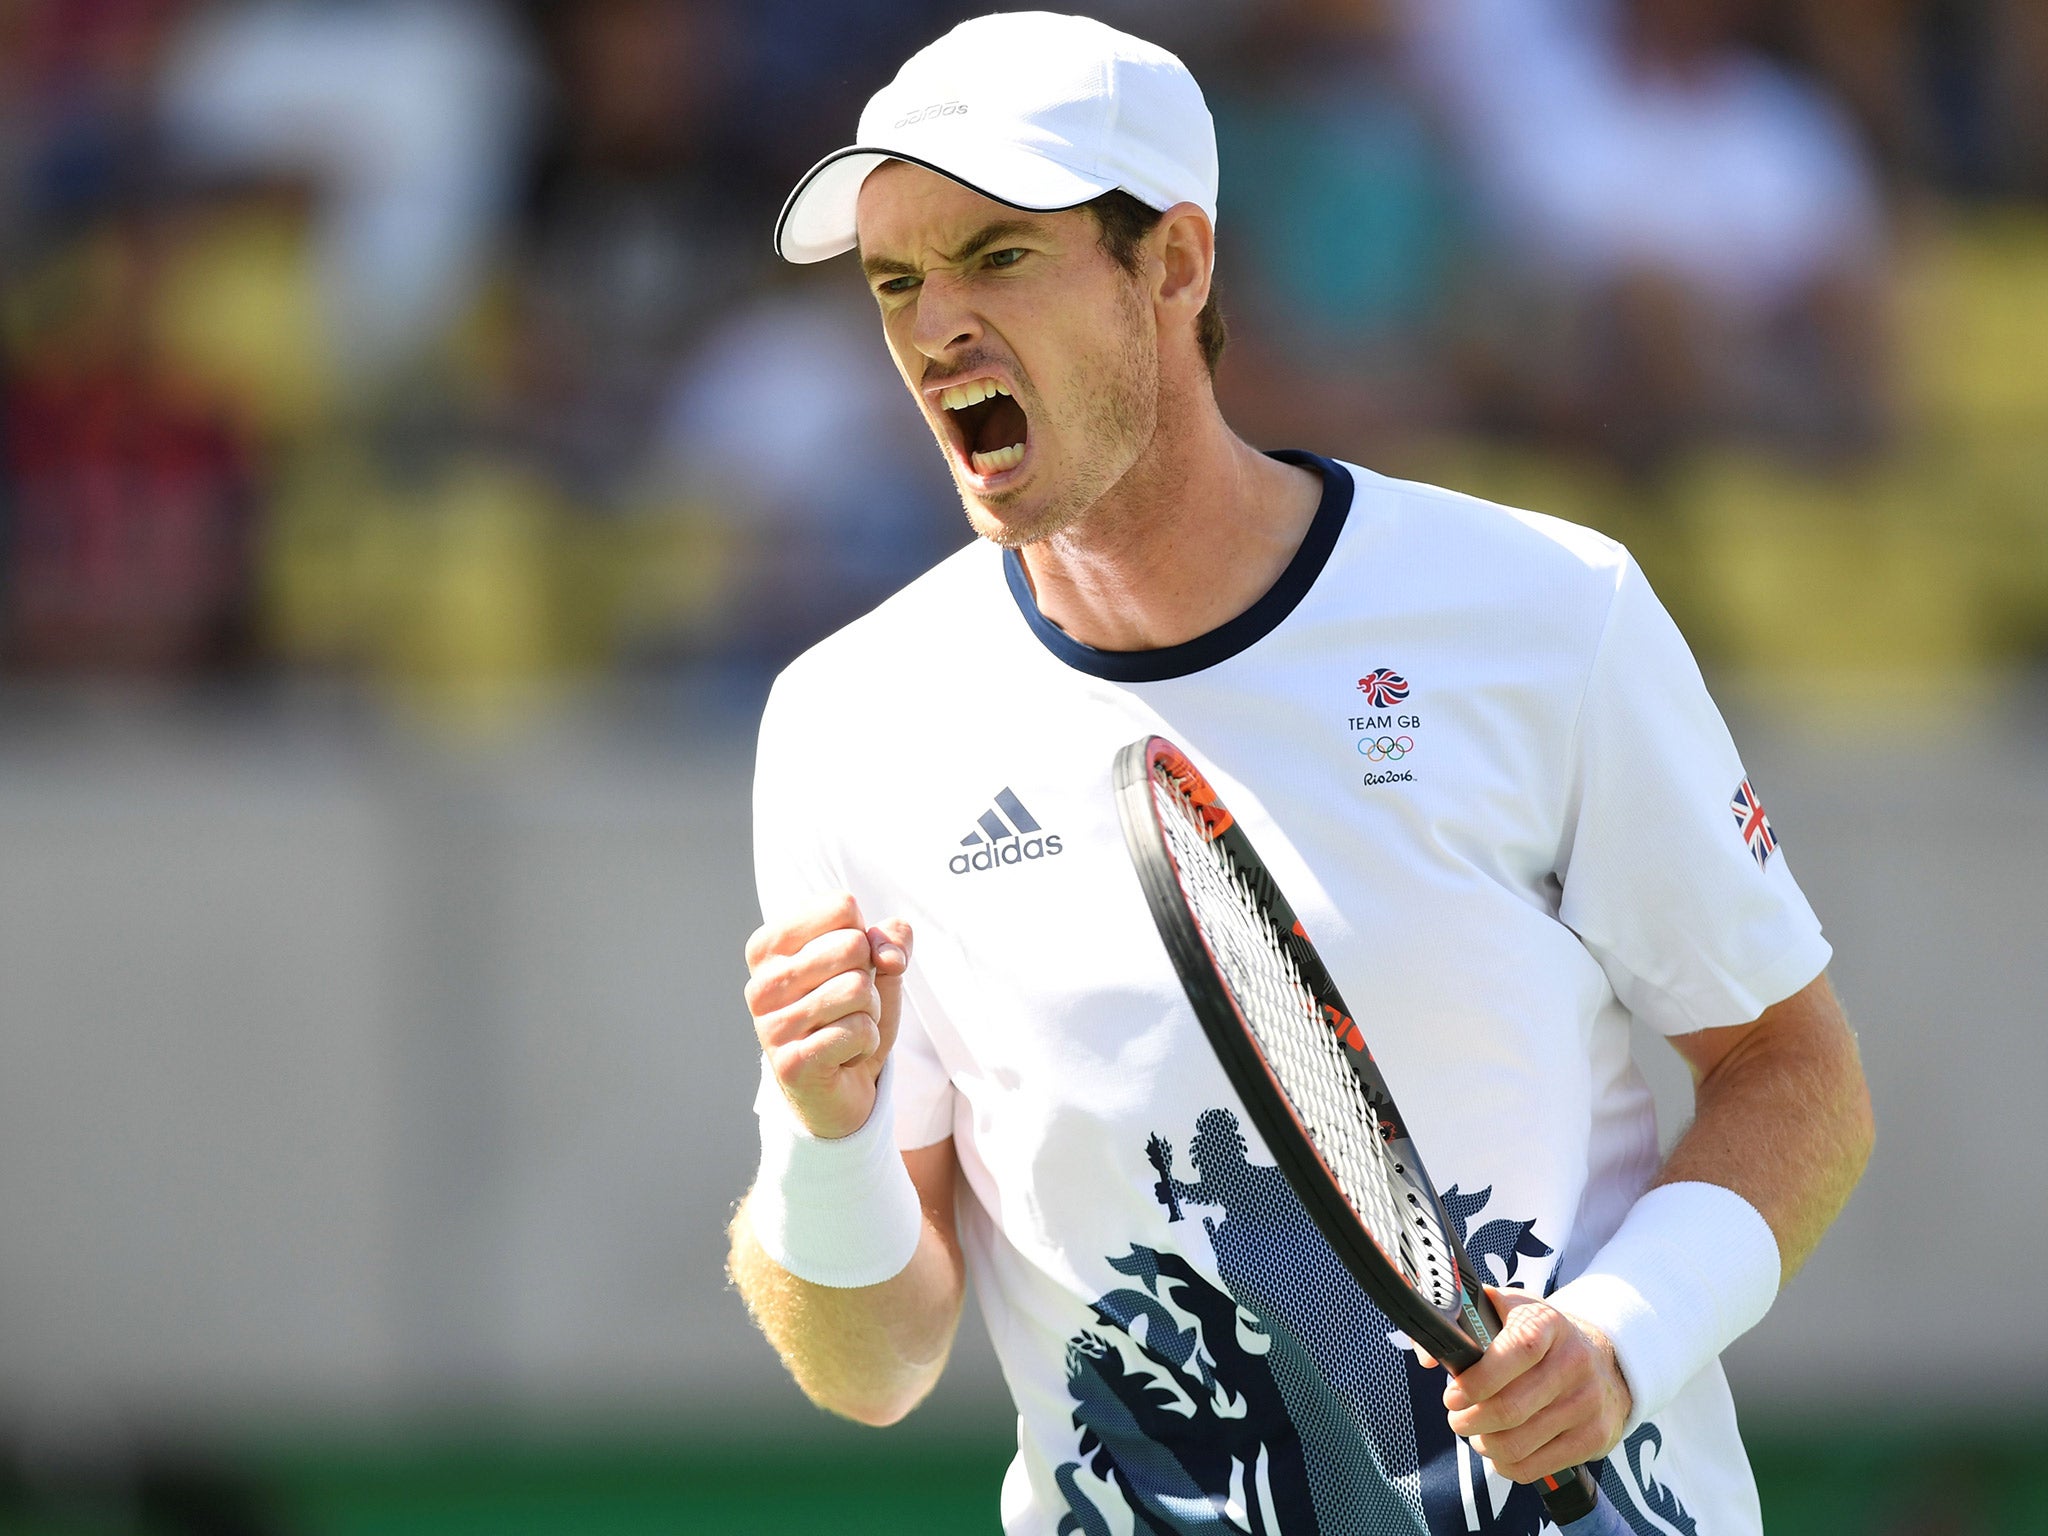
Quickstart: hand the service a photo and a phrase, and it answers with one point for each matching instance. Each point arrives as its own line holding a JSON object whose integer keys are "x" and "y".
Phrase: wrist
{"x": 1693, "y": 1267}
{"x": 838, "y": 1212}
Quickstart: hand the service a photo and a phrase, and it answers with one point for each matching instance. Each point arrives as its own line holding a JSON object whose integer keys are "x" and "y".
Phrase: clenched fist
{"x": 825, "y": 991}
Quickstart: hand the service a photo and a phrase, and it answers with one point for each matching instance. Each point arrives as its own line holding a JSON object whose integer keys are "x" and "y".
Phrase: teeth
{"x": 960, "y": 396}
{"x": 995, "y": 463}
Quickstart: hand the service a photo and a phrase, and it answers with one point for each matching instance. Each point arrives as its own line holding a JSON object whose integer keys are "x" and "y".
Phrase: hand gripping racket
{"x": 1296, "y": 1057}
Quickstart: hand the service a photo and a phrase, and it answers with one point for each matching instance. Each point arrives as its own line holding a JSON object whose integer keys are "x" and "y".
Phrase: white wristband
{"x": 1692, "y": 1269}
{"x": 838, "y": 1212}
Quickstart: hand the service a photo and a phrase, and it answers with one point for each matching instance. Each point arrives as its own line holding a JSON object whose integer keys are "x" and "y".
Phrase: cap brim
{"x": 817, "y": 221}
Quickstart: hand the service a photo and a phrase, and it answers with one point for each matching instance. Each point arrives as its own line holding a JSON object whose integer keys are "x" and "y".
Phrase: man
{"x": 1483, "y": 765}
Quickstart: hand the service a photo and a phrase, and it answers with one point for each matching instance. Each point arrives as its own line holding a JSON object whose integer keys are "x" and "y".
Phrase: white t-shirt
{"x": 1481, "y": 762}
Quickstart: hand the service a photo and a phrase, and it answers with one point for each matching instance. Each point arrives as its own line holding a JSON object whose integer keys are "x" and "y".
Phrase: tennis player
{"x": 1479, "y": 758}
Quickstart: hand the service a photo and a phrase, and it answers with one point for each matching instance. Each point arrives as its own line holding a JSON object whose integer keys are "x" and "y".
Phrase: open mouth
{"x": 989, "y": 428}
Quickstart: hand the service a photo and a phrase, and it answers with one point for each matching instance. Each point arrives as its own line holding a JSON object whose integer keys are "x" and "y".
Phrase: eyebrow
{"x": 984, "y": 237}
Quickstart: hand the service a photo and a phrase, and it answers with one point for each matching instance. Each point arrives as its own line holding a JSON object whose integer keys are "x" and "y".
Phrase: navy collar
{"x": 1226, "y": 639}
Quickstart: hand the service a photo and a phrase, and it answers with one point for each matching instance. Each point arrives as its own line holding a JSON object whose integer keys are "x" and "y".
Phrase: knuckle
{"x": 788, "y": 1063}
{"x": 1513, "y": 1354}
{"x": 835, "y": 1002}
{"x": 866, "y": 994}
{"x": 846, "y": 987}
{"x": 1568, "y": 1449}
{"x": 836, "y": 950}
{"x": 1518, "y": 1458}
{"x": 1510, "y": 1411}
{"x": 773, "y": 986}
{"x": 1581, "y": 1400}
{"x": 780, "y": 1028}
{"x": 1576, "y": 1450}
{"x": 815, "y": 1053}
{"x": 1529, "y": 1318}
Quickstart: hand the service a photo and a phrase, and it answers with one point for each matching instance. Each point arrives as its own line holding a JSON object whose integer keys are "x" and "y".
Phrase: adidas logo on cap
{"x": 1000, "y": 842}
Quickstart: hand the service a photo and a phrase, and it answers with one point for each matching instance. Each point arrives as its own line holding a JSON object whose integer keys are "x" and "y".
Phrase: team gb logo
{"x": 1383, "y": 687}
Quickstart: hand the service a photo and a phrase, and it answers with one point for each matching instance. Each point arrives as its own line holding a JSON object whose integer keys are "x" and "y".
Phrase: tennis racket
{"x": 1295, "y": 1054}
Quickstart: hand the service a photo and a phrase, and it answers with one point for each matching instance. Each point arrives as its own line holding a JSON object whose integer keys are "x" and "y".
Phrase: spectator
{"x": 790, "y": 418}
{"x": 130, "y": 492}
{"x": 1702, "y": 225}
{"x": 408, "y": 116}
{"x": 75, "y": 108}
{"x": 630, "y": 239}
{"x": 1952, "y": 94}
{"x": 805, "y": 66}
{"x": 1339, "y": 244}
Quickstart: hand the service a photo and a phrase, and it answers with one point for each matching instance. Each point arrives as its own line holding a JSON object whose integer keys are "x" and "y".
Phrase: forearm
{"x": 869, "y": 1353}
{"x": 1781, "y": 1132}
{"x": 1783, "y": 1118}
{"x": 835, "y": 1201}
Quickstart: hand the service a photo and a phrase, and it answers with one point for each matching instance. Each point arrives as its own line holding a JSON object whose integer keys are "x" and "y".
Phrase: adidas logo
{"x": 1001, "y": 842}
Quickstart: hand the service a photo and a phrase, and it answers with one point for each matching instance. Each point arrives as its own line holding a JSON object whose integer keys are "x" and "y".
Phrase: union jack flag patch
{"x": 1756, "y": 826}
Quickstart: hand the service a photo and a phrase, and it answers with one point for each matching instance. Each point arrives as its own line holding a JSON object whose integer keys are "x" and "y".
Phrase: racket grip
{"x": 1570, "y": 1495}
{"x": 1601, "y": 1517}
{"x": 1574, "y": 1497}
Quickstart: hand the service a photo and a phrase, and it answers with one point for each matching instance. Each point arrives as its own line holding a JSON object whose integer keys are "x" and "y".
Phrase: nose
{"x": 946, "y": 321}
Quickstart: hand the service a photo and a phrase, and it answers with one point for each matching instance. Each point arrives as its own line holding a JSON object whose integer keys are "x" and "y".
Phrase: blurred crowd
{"x": 438, "y": 343}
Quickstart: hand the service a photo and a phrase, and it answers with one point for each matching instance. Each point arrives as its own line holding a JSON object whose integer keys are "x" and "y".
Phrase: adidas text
{"x": 1014, "y": 850}
{"x": 926, "y": 114}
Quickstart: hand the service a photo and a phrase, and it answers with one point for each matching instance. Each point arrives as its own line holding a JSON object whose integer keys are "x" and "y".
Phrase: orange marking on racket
{"x": 1216, "y": 819}
{"x": 1346, "y": 1029}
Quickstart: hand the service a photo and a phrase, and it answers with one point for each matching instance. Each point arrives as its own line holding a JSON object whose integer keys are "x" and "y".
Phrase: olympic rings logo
{"x": 1385, "y": 749}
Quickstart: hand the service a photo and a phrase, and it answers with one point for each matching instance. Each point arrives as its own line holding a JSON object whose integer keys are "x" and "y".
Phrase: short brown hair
{"x": 1124, "y": 222}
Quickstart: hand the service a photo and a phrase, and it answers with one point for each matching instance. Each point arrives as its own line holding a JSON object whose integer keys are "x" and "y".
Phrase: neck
{"x": 1196, "y": 531}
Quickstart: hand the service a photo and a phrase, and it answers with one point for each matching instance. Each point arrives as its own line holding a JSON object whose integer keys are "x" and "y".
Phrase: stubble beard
{"x": 1112, "y": 413}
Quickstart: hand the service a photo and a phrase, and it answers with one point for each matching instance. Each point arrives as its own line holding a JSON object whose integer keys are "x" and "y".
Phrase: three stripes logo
{"x": 1006, "y": 834}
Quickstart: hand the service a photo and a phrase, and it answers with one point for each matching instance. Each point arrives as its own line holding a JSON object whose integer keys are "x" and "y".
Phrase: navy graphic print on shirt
{"x": 1283, "y": 1401}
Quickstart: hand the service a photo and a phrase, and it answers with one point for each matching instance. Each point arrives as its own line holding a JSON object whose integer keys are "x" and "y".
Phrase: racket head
{"x": 1293, "y": 1051}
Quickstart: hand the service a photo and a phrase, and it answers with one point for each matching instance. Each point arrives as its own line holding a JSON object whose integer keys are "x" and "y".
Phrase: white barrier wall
{"x": 343, "y": 1073}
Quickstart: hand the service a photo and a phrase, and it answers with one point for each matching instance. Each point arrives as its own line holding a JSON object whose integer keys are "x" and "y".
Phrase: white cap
{"x": 1032, "y": 109}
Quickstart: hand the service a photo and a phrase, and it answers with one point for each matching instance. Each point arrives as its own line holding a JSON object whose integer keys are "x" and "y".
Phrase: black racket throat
{"x": 1293, "y": 1051}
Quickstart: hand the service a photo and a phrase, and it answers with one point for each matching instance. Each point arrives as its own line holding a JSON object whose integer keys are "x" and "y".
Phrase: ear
{"x": 1184, "y": 244}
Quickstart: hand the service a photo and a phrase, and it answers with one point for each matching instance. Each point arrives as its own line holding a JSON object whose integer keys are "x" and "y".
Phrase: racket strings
{"x": 1301, "y": 1047}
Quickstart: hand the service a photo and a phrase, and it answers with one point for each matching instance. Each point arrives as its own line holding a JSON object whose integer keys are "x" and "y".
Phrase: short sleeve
{"x": 798, "y": 860}
{"x": 1672, "y": 876}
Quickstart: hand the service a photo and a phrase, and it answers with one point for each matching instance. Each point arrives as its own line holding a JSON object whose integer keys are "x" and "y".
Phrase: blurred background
{"x": 414, "y": 466}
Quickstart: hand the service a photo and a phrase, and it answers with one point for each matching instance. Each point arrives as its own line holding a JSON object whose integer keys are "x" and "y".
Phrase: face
{"x": 1033, "y": 356}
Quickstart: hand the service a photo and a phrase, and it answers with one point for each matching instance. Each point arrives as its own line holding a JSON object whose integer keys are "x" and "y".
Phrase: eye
{"x": 1008, "y": 257}
{"x": 897, "y": 285}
